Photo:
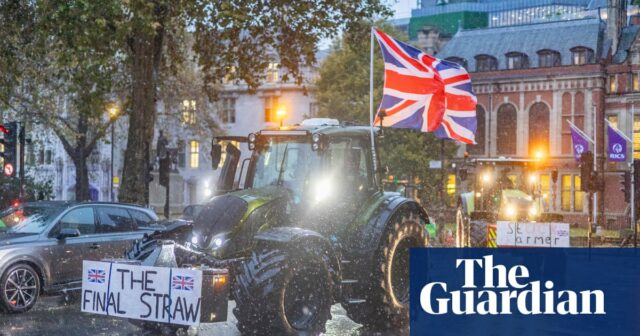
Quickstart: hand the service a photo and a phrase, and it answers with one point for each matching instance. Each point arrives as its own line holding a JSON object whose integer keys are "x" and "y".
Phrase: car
{"x": 43, "y": 244}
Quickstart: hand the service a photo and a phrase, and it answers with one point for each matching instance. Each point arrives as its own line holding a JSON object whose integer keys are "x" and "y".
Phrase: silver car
{"x": 42, "y": 245}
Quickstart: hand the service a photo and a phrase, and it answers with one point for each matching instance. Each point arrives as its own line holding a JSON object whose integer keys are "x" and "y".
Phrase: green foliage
{"x": 342, "y": 92}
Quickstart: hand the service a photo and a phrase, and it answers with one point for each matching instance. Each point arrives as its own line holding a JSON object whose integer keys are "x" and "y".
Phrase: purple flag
{"x": 580, "y": 142}
{"x": 617, "y": 147}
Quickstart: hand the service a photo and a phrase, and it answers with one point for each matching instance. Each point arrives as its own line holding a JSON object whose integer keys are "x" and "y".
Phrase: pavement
{"x": 53, "y": 317}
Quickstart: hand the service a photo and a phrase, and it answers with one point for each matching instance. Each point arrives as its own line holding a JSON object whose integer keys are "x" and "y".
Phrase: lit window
{"x": 229, "y": 75}
{"x": 227, "y": 110}
{"x": 636, "y": 137}
{"x": 223, "y": 157}
{"x": 582, "y": 55}
{"x": 613, "y": 83}
{"x": 270, "y": 107}
{"x": 516, "y": 60}
{"x": 571, "y": 194}
{"x": 194, "y": 154}
{"x": 635, "y": 81}
{"x": 565, "y": 196}
{"x": 545, "y": 189}
{"x": 578, "y": 196}
{"x": 273, "y": 74}
{"x": 189, "y": 112}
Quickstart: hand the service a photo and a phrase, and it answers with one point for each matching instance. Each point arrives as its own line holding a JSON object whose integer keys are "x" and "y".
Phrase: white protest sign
{"x": 159, "y": 294}
{"x": 530, "y": 234}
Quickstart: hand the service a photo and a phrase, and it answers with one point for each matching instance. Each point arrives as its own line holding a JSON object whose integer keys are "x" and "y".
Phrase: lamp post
{"x": 113, "y": 114}
{"x": 281, "y": 113}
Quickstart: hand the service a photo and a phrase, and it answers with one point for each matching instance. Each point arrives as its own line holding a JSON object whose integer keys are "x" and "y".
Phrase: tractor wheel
{"x": 387, "y": 293}
{"x": 284, "y": 292}
{"x": 478, "y": 231}
{"x": 462, "y": 223}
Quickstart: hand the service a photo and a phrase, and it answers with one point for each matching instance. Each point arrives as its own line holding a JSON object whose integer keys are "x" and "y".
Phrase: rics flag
{"x": 580, "y": 142}
{"x": 425, "y": 93}
{"x": 617, "y": 146}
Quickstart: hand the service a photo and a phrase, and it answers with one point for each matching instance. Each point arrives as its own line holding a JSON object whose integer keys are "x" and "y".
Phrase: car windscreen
{"x": 27, "y": 219}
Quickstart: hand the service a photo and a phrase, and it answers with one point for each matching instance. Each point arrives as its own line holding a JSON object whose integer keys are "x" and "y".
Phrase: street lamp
{"x": 113, "y": 114}
{"x": 281, "y": 113}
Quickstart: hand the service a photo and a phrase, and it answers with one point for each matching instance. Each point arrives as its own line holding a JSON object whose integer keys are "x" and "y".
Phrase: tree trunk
{"x": 82, "y": 178}
{"x": 145, "y": 54}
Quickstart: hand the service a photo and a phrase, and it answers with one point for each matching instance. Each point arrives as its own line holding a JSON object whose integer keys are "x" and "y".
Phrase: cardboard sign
{"x": 514, "y": 234}
{"x": 159, "y": 294}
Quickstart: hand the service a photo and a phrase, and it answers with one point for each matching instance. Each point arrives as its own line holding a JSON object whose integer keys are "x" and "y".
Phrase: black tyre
{"x": 462, "y": 224}
{"x": 387, "y": 293}
{"x": 160, "y": 329}
{"x": 282, "y": 291}
{"x": 478, "y": 232}
{"x": 19, "y": 289}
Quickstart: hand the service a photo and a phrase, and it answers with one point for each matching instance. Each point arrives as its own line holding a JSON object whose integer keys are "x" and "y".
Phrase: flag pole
{"x": 632, "y": 167}
{"x": 373, "y": 141}
{"x": 581, "y": 132}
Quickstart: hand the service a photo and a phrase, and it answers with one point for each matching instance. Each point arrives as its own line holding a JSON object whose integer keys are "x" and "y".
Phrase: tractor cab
{"x": 315, "y": 175}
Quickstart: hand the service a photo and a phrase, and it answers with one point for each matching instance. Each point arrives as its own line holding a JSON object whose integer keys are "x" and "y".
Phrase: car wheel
{"x": 19, "y": 288}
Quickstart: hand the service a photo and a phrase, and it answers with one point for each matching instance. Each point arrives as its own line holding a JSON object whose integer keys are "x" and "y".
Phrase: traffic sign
{"x": 9, "y": 169}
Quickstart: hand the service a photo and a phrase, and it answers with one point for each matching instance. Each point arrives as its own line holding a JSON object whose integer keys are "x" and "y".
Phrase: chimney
{"x": 616, "y": 20}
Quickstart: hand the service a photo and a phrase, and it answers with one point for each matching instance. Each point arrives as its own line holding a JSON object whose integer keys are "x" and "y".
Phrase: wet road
{"x": 52, "y": 317}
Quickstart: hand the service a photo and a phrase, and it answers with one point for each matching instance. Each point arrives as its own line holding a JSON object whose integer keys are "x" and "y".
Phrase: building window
{"x": 270, "y": 107}
{"x": 545, "y": 189}
{"x": 507, "y": 136}
{"x": 223, "y": 157}
{"x": 313, "y": 110}
{"x": 478, "y": 149}
{"x": 517, "y": 60}
{"x": 581, "y": 55}
{"x": 273, "y": 74}
{"x": 635, "y": 81}
{"x": 486, "y": 63}
{"x": 189, "y": 112}
{"x": 548, "y": 58}
{"x": 613, "y": 83}
{"x": 181, "y": 154}
{"x": 227, "y": 112}
{"x": 47, "y": 157}
{"x": 538, "y": 129}
{"x": 636, "y": 137}
{"x": 457, "y": 60}
{"x": 194, "y": 154}
{"x": 571, "y": 198}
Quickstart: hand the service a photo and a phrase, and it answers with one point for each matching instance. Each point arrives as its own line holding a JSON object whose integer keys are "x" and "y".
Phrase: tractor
{"x": 309, "y": 227}
{"x": 499, "y": 189}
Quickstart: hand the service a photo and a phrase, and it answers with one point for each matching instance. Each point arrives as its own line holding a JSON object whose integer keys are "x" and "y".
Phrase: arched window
{"x": 507, "y": 124}
{"x": 581, "y": 55}
{"x": 517, "y": 60}
{"x": 457, "y": 60}
{"x": 567, "y": 109}
{"x": 486, "y": 63}
{"x": 538, "y": 129}
{"x": 480, "y": 133}
{"x": 548, "y": 58}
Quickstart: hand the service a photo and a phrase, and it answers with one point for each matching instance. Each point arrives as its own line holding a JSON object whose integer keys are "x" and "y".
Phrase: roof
{"x": 627, "y": 37}
{"x": 528, "y": 39}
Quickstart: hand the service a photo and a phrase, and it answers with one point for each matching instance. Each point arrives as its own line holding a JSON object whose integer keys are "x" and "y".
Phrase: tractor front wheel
{"x": 387, "y": 294}
{"x": 282, "y": 291}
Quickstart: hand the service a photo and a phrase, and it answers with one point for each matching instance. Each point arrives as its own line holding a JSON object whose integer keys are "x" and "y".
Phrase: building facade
{"x": 532, "y": 80}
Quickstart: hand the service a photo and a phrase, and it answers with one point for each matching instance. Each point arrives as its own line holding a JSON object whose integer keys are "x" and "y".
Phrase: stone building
{"x": 532, "y": 79}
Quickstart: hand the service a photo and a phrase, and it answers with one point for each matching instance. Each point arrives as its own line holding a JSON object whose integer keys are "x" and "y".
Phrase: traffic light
{"x": 10, "y": 144}
{"x": 625, "y": 185}
{"x": 586, "y": 170}
{"x": 165, "y": 170}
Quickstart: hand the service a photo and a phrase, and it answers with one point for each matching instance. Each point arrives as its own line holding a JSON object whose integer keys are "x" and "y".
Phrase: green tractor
{"x": 500, "y": 189}
{"x": 310, "y": 227}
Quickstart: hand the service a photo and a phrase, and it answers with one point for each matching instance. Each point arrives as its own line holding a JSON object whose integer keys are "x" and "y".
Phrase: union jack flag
{"x": 96, "y": 275}
{"x": 425, "y": 93}
{"x": 182, "y": 282}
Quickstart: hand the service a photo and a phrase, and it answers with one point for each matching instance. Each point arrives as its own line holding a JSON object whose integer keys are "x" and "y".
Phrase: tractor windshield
{"x": 284, "y": 161}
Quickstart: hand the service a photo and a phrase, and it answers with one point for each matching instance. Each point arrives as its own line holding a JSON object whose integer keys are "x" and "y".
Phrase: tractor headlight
{"x": 510, "y": 211}
{"x": 194, "y": 240}
{"x": 220, "y": 240}
{"x": 315, "y": 138}
{"x": 533, "y": 211}
{"x": 321, "y": 189}
{"x": 252, "y": 141}
{"x": 486, "y": 178}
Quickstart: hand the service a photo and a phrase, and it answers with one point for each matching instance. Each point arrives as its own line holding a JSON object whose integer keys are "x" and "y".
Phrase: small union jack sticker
{"x": 97, "y": 275}
{"x": 182, "y": 282}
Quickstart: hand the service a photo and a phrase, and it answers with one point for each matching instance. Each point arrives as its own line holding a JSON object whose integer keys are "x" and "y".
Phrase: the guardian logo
{"x": 506, "y": 291}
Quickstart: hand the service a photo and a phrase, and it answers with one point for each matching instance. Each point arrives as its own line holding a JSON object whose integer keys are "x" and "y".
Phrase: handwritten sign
{"x": 159, "y": 294}
{"x": 510, "y": 234}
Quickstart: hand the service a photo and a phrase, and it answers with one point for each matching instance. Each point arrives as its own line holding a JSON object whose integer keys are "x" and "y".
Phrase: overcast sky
{"x": 402, "y": 8}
